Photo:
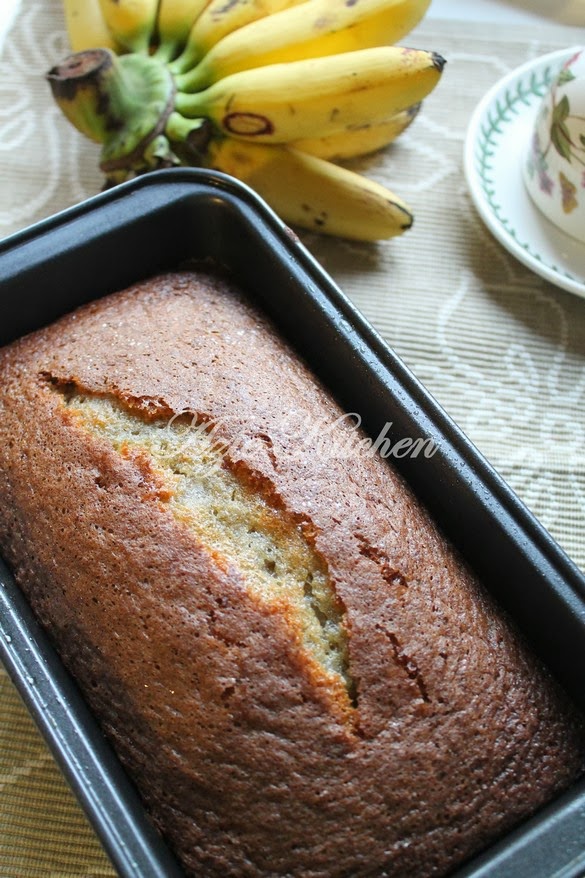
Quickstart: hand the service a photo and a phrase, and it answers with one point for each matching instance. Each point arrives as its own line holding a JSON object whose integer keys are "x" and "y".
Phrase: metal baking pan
{"x": 155, "y": 223}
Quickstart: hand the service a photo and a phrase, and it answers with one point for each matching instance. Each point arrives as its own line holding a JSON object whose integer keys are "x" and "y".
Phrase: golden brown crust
{"x": 248, "y": 759}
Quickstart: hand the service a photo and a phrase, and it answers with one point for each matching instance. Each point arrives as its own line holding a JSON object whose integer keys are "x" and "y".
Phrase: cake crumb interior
{"x": 265, "y": 544}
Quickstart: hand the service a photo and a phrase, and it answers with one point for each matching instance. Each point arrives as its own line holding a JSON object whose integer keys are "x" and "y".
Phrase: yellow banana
{"x": 315, "y": 29}
{"x": 220, "y": 18}
{"x": 358, "y": 141}
{"x": 273, "y": 92}
{"x": 131, "y": 22}
{"x": 312, "y": 193}
{"x": 316, "y": 97}
{"x": 175, "y": 20}
{"x": 86, "y": 27}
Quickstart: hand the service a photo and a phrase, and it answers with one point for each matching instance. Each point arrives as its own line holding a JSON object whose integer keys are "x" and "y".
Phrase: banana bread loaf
{"x": 298, "y": 671}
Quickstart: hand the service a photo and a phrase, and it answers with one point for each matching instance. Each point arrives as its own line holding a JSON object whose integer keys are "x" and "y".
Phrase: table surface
{"x": 569, "y": 12}
{"x": 500, "y": 348}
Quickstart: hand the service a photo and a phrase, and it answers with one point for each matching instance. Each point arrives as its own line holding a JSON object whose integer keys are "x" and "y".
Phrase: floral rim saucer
{"x": 497, "y": 139}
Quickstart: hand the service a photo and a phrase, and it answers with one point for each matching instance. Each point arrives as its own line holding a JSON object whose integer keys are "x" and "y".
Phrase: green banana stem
{"x": 165, "y": 52}
{"x": 189, "y": 137}
{"x": 195, "y": 79}
{"x": 122, "y": 102}
{"x": 189, "y": 58}
{"x": 195, "y": 131}
{"x": 76, "y": 84}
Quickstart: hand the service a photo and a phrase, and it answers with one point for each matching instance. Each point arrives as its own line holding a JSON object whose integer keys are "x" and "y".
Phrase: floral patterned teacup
{"x": 554, "y": 170}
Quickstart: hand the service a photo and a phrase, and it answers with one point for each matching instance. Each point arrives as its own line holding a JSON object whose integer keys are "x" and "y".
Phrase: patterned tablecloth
{"x": 500, "y": 348}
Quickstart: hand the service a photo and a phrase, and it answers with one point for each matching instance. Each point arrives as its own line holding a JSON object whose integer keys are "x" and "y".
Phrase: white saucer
{"x": 497, "y": 139}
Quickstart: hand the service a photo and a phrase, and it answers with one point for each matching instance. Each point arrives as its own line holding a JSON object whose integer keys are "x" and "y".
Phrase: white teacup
{"x": 554, "y": 169}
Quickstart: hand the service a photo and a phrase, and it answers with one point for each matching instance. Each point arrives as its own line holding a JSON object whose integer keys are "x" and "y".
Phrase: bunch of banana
{"x": 274, "y": 92}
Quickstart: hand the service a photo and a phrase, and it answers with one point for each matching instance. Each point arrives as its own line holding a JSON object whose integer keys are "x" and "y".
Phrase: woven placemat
{"x": 500, "y": 348}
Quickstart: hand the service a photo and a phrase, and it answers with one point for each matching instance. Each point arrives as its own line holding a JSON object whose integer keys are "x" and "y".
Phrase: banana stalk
{"x": 121, "y": 102}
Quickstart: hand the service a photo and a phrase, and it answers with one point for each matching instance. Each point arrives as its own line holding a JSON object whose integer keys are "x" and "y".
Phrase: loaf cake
{"x": 297, "y": 670}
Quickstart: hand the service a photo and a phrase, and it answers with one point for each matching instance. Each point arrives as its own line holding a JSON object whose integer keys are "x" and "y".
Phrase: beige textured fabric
{"x": 501, "y": 349}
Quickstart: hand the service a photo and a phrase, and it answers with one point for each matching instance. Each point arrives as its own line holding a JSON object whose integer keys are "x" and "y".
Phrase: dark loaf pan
{"x": 155, "y": 223}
